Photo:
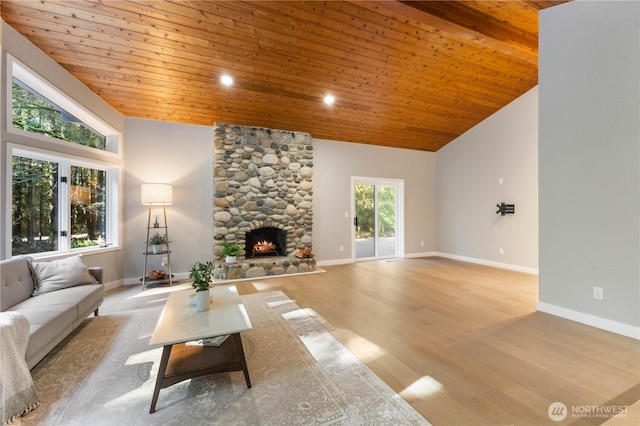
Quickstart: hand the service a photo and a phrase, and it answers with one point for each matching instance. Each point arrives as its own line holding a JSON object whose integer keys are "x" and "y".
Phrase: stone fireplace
{"x": 263, "y": 199}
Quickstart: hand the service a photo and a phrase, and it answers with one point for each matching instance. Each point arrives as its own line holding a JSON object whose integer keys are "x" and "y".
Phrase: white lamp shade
{"x": 156, "y": 193}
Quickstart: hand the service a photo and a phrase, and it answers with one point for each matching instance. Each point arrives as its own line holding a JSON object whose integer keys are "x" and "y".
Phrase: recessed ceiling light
{"x": 329, "y": 99}
{"x": 226, "y": 79}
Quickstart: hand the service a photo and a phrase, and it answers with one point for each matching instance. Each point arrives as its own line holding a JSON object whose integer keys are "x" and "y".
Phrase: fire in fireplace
{"x": 264, "y": 247}
{"x": 266, "y": 241}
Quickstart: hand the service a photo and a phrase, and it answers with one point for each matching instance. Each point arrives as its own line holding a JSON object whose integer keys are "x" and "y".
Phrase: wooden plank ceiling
{"x": 404, "y": 74}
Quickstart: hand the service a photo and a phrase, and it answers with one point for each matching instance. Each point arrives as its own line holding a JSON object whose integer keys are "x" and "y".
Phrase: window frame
{"x": 52, "y": 93}
{"x": 65, "y": 162}
{"x": 33, "y": 145}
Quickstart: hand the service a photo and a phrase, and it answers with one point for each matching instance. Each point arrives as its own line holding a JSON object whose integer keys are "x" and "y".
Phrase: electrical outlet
{"x": 341, "y": 248}
{"x": 422, "y": 243}
{"x": 500, "y": 250}
{"x": 598, "y": 293}
{"x": 165, "y": 260}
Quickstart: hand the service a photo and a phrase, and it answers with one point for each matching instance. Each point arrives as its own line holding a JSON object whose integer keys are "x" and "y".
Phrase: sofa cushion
{"x": 47, "y": 325}
{"x": 16, "y": 284}
{"x": 60, "y": 274}
{"x": 84, "y": 298}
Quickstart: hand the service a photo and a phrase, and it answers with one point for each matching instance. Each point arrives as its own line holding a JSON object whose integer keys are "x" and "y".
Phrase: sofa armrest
{"x": 96, "y": 271}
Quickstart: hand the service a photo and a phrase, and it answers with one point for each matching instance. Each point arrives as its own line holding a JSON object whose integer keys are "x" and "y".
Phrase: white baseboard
{"x": 131, "y": 281}
{"x": 591, "y": 320}
{"x": 447, "y": 255}
{"x": 113, "y": 284}
{"x": 334, "y": 262}
{"x": 350, "y": 261}
{"x": 517, "y": 268}
{"x": 417, "y": 255}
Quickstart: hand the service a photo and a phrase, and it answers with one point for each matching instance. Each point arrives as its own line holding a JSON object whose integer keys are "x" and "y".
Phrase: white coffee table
{"x": 180, "y": 323}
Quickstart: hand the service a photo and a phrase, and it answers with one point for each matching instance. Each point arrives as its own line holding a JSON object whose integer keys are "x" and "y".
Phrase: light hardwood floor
{"x": 464, "y": 344}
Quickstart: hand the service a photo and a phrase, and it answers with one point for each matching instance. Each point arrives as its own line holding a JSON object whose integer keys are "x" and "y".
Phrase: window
{"x": 60, "y": 203}
{"x": 39, "y": 108}
{"x": 64, "y": 177}
{"x": 88, "y": 192}
{"x": 35, "y": 201}
{"x": 32, "y": 112}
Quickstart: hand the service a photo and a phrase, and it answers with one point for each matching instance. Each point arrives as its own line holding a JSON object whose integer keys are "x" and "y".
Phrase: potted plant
{"x": 231, "y": 249}
{"x": 157, "y": 242}
{"x": 201, "y": 272}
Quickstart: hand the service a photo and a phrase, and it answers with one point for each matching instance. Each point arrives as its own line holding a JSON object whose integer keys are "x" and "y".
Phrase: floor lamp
{"x": 157, "y": 194}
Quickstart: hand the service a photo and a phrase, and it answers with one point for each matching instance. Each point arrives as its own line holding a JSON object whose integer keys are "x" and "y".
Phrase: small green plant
{"x": 231, "y": 249}
{"x": 157, "y": 239}
{"x": 201, "y": 274}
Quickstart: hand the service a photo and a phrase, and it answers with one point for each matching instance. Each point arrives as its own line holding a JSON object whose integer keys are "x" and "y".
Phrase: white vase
{"x": 156, "y": 248}
{"x": 231, "y": 259}
{"x": 202, "y": 300}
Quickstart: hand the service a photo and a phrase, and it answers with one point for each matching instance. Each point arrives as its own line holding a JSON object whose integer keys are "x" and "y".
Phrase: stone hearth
{"x": 262, "y": 179}
{"x": 255, "y": 268}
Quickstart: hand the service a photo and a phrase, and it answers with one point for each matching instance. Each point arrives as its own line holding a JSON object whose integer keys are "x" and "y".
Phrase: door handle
{"x": 355, "y": 221}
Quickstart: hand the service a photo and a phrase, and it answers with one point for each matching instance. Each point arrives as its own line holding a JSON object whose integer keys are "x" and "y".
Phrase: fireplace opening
{"x": 266, "y": 241}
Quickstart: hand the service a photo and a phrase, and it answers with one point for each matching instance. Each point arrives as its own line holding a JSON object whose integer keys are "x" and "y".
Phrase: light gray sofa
{"x": 59, "y": 306}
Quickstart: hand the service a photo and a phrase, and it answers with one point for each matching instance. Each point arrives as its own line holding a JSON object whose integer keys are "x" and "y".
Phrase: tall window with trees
{"x": 56, "y": 204}
{"x": 88, "y": 207}
{"x": 60, "y": 202}
{"x": 35, "y": 200}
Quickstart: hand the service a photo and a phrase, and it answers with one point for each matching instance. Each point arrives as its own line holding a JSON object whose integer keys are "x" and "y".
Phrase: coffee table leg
{"x": 166, "y": 352}
{"x": 243, "y": 361}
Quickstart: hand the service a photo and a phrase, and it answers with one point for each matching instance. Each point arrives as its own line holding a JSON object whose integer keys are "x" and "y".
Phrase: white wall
{"x": 467, "y": 189}
{"x": 590, "y": 163}
{"x": 182, "y": 155}
{"x": 334, "y": 165}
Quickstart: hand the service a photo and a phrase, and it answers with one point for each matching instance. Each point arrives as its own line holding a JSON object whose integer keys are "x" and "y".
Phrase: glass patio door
{"x": 375, "y": 220}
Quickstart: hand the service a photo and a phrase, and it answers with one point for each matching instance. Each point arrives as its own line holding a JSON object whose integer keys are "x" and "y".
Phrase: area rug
{"x": 300, "y": 374}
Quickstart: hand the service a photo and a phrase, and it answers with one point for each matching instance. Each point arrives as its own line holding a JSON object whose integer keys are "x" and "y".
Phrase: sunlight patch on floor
{"x": 261, "y": 286}
{"x": 421, "y": 388}
{"x": 294, "y": 315}
{"x": 364, "y": 349}
{"x": 318, "y": 346}
{"x": 160, "y": 290}
{"x": 279, "y": 303}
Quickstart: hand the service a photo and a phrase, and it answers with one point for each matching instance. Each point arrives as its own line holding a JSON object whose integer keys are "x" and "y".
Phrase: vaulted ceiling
{"x": 404, "y": 74}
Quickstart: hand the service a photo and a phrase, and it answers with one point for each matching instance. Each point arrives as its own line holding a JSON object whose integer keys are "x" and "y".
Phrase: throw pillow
{"x": 59, "y": 274}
